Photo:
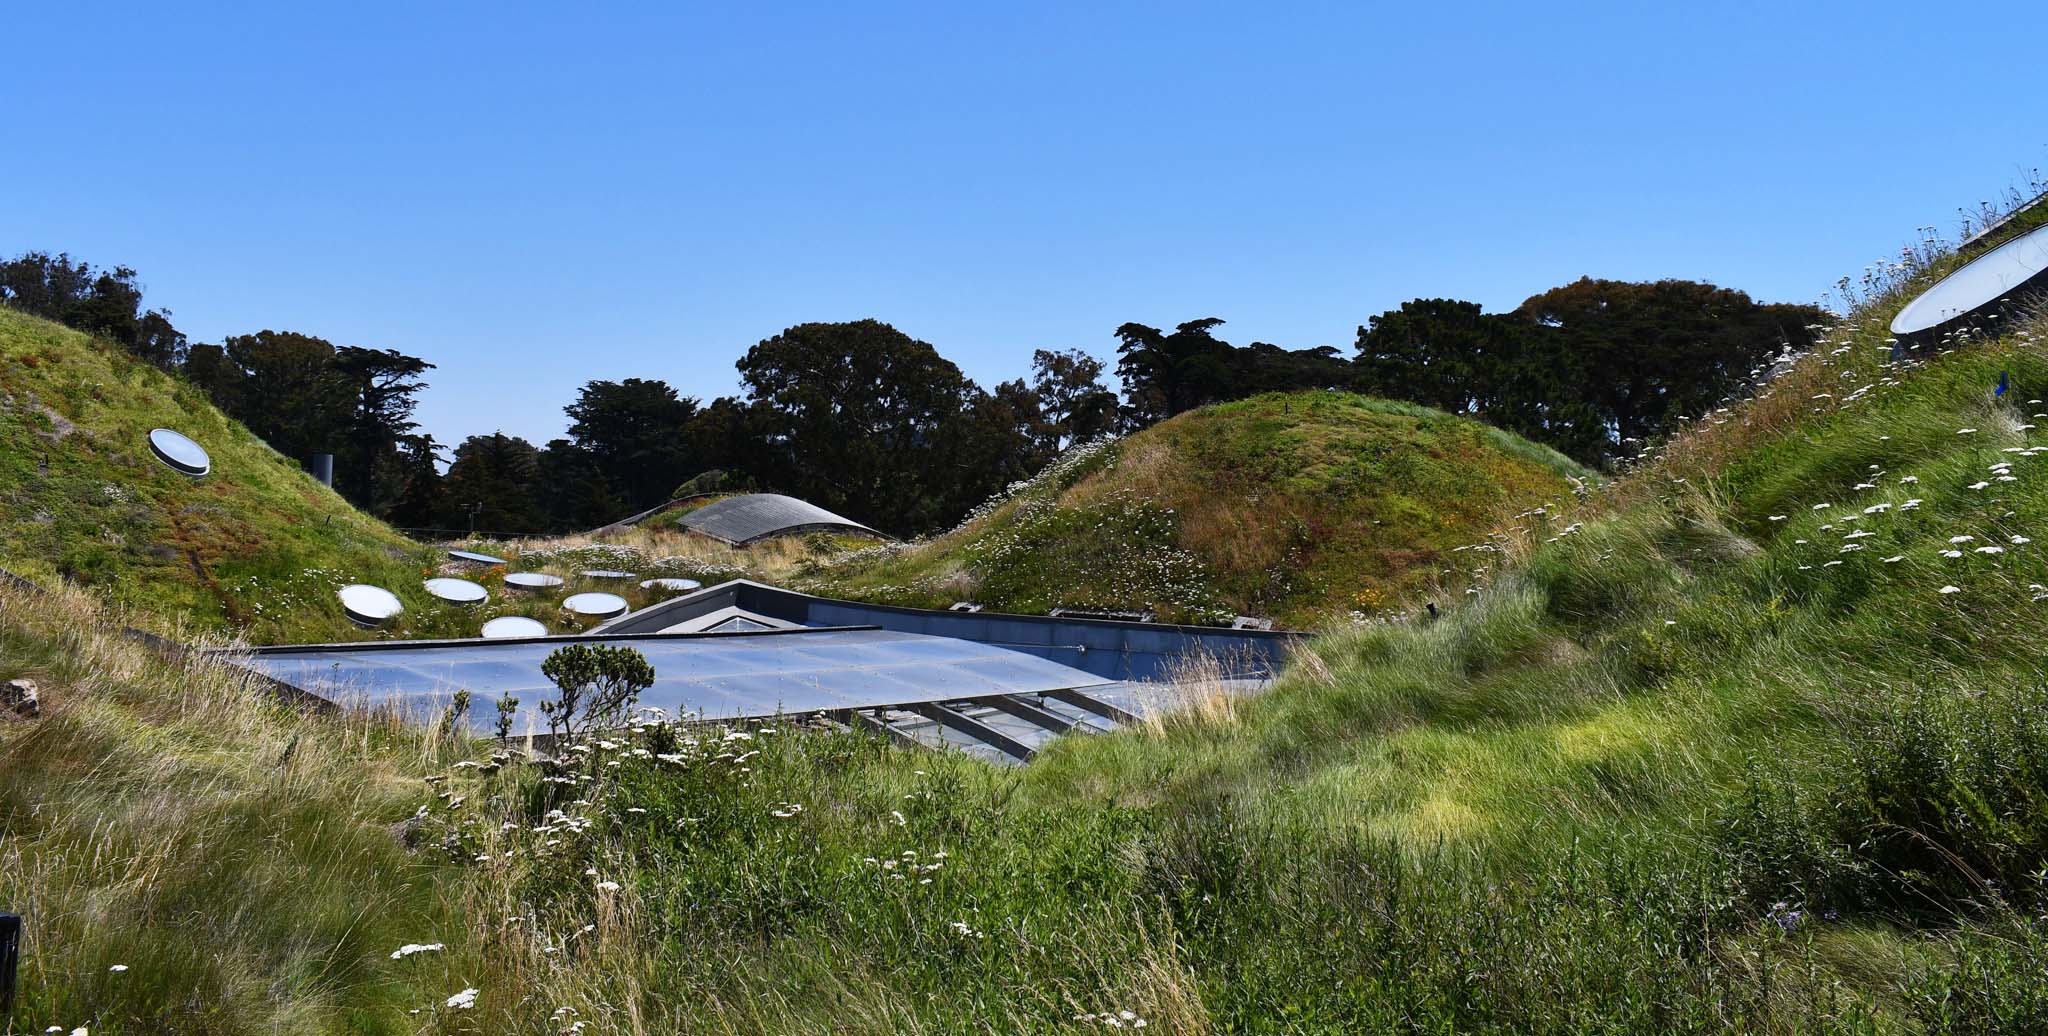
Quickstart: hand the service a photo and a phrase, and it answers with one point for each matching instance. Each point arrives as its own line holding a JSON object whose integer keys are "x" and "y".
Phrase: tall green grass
{"x": 189, "y": 856}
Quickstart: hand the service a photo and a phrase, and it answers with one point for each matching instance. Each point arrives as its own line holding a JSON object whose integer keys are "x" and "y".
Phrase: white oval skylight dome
{"x": 2018, "y": 265}
{"x": 179, "y": 453}
{"x": 369, "y": 605}
{"x": 532, "y": 581}
{"x": 458, "y": 591}
{"x": 506, "y": 627}
{"x": 670, "y": 584}
{"x": 595, "y": 605}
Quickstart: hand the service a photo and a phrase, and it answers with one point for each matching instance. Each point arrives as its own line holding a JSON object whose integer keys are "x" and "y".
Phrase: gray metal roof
{"x": 712, "y": 676}
{"x": 743, "y": 519}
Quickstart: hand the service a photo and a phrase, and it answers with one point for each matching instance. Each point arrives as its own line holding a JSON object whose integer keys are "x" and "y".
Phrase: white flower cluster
{"x": 1060, "y": 473}
{"x": 1114, "y": 1019}
{"x": 908, "y": 865}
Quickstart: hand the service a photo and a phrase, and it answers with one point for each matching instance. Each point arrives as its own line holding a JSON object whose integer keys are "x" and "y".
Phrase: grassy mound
{"x": 1297, "y": 506}
{"x": 257, "y": 547}
{"x": 254, "y": 550}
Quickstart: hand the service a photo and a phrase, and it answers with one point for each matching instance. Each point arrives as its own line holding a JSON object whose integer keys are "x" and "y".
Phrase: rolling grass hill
{"x": 1298, "y": 507}
{"x": 256, "y": 548}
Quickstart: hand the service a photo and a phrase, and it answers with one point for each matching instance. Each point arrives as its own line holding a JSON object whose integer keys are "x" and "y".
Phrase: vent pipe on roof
{"x": 323, "y": 469}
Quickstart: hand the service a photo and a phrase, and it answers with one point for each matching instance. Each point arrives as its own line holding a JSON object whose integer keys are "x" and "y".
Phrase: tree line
{"x": 863, "y": 419}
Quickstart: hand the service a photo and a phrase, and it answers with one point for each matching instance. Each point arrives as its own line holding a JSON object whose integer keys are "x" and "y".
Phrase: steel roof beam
{"x": 1029, "y": 713}
{"x": 973, "y": 728}
{"x": 861, "y": 720}
{"x": 1087, "y": 704}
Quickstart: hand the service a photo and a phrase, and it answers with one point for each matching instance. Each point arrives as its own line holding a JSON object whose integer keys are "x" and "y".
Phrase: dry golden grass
{"x": 1198, "y": 694}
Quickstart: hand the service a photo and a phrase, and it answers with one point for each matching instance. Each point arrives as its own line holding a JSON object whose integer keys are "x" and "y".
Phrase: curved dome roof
{"x": 740, "y": 520}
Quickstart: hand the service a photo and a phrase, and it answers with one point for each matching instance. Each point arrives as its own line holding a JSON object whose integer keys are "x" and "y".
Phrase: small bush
{"x": 599, "y": 685}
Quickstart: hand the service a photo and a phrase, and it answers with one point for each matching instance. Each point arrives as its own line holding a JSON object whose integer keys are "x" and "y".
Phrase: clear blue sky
{"x": 536, "y": 196}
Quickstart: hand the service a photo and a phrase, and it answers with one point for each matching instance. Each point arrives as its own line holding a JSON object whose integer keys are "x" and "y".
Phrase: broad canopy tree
{"x": 497, "y": 477}
{"x": 1654, "y": 352}
{"x": 304, "y": 395}
{"x": 1073, "y": 404}
{"x": 636, "y": 436}
{"x": 862, "y": 419}
{"x": 377, "y": 455}
{"x": 1167, "y": 373}
{"x": 1589, "y": 368}
{"x": 107, "y": 303}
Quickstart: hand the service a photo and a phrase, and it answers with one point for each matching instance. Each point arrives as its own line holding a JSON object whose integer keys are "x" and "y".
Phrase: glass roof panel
{"x": 715, "y": 677}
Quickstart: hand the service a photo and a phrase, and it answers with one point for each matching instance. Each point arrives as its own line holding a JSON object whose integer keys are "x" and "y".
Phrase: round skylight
{"x": 532, "y": 581}
{"x": 369, "y": 605}
{"x": 475, "y": 558}
{"x": 457, "y": 591}
{"x": 605, "y": 573}
{"x": 670, "y": 584}
{"x": 506, "y": 627}
{"x": 594, "y": 605}
{"x": 179, "y": 453}
{"x": 1979, "y": 288}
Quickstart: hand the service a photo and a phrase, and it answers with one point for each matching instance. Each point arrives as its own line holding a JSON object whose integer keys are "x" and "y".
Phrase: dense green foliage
{"x": 1166, "y": 373}
{"x": 862, "y": 419}
{"x": 305, "y": 395}
{"x": 107, "y": 303}
{"x": 1598, "y": 368}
